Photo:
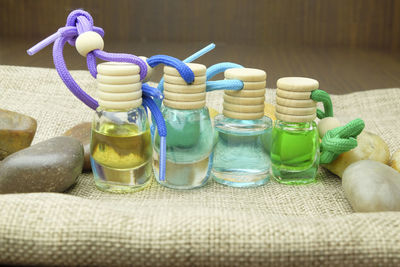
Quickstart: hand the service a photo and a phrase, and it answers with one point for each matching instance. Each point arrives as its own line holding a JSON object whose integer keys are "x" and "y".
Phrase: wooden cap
{"x": 120, "y": 96}
{"x": 118, "y": 69}
{"x": 296, "y": 111}
{"x": 184, "y": 97}
{"x": 127, "y": 79}
{"x": 243, "y": 115}
{"x": 294, "y": 118}
{"x": 246, "y": 93}
{"x": 185, "y": 89}
{"x": 184, "y": 105}
{"x": 246, "y": 74}
{"x": 297, "y": 84}
{"x": 243, "y": 100}
{"x": 120, "y": 105}
{"x": 293, "y": 103}
{"x": 179, "y": 80}
{"x": 119, "y": 85}
{"x": 149, "y": 70}
{"x": 198, "y": 69}
{"x": 254, "y": 85}
{"x": 119, "y": 88}
{"x": 243, "y": 108}
{"x": 293, "y": 95}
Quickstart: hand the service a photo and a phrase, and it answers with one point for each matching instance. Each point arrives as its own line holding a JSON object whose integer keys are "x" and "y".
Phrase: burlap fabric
{"x": 215, "y": 225}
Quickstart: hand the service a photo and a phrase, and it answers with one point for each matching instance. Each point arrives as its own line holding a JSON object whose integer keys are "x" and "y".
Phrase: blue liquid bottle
{"x": 190, "y": 132}
{"x": 241, "y": 154}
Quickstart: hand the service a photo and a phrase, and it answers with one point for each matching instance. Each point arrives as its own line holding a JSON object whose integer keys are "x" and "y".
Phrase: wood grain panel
{"x": 351, "y": 23}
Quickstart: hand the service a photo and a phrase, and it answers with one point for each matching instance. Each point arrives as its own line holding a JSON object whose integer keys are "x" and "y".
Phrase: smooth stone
{"x": 16, "y": 132}
{"x": 82, "y": 133}
{"x": 49, "y": 166}
{"x": 370, "y": 146}
{"x": 395, "y": 162}
{"x": 372, "y": 186}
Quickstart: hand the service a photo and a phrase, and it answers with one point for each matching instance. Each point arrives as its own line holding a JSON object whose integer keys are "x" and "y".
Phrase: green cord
{"x": 340, "y": 140}
{"x": 322, "y": 96}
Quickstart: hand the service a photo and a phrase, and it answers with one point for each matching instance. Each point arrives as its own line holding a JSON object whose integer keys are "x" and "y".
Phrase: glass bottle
{"x": 241, "y": 154}
{"x": 295, "y": 140}
{"x": 121, "y": 152}
{"x": 189, "y": 131}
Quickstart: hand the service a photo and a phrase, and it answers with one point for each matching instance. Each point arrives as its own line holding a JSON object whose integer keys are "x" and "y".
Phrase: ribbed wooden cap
{"x": 180, "y": 95}
{"x": 119, "y": 85}
{"x": 198, "y": 70}
{"x": 247, "y": 103}
{"x": 293, "y": 99}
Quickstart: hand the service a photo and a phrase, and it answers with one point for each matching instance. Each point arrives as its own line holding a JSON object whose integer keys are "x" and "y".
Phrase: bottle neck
{"x": 298, "y": 126}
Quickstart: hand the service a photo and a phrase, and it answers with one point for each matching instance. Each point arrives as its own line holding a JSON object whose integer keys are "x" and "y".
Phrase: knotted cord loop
{"x": 79, "y": 22}
{"x": 322, "y": 96}
{"x": 220, "y": 67}
{"x": 340, "y": 140}
{"x": 222, "y": 84}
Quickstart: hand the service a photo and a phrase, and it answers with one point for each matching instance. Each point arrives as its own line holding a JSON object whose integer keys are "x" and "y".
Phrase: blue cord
{"x": 183, "y": 69}
{"x": 220, "y": 67}
{"x": 224, "y": 85}
{"x": 162, "y": 131}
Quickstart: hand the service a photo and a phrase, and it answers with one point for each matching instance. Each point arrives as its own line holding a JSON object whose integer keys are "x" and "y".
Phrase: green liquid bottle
{"x": 295, "y": 139}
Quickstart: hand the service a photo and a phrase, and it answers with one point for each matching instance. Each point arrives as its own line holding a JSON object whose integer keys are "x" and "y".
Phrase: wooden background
{"x": 346, "y": 44}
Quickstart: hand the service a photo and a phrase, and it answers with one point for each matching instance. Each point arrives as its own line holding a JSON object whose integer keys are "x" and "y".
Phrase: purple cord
{"x": 78, "y": 22}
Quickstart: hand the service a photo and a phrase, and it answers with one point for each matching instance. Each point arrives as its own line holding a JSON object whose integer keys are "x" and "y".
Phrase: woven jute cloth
{"x": 279, "y": 225}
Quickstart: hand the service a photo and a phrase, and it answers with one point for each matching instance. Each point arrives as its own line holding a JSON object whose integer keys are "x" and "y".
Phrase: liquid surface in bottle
{"x": 121, "y": 146}
{"x": 121, "y": 156}
{"x": 295, "y": 152}
{"x": 188, "y": 145}
{"x": 241, "y": 155}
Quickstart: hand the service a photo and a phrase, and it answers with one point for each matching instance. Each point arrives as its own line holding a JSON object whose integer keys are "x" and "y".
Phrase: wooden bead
{"x": 243, "y": 108}
{"x": 120, "y": 96}
{"x": 117, "y": 69}
{"x": 119, "y": 88}
{"x": 293, "y": 95}
{"x": 246, "y": 93}
{"x": 246, "y": 74}
{"x": 120, "y": 105}
{"x": 327, "y": 124}
{"x": 198, "y": 69}
{"x": 180, "y": 81}
{"x": 242, "y": 115}
{"x": 243, "y": 100}
{"x": 184, "y": 97}
{"x": 294, "y": 118}
{"x": 184, "y": 105}
{"x": 149, "y": 70}
{"x": 88, "y": 41}
{"x": 305, "y": 103}
{"x": 296, "y": 111}
{"x": 129, "y": 79}
{"x": 185, "y": 89}
{"x": 297, "y": 84}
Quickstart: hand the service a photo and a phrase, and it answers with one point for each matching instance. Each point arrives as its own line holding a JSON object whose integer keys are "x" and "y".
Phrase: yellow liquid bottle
{"x": 121, "y": 151}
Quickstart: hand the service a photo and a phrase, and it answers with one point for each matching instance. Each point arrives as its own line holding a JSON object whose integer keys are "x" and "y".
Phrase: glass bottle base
{"x": 297, "y": 177}
{"x": 184, "y": 175}
{"x": 240, "y": 178}
{"x": 121, "y": 180}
